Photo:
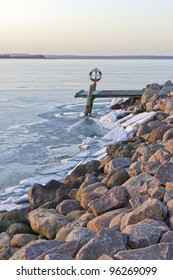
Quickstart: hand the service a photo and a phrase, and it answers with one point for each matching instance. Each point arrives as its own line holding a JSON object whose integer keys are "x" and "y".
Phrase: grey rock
{"x": 21, "y": 239}
{"x": 167, "y": 237}
{"x": 34, "y": 249}
{"x": 80, "y": 234}
{"x": 117, "y": 162}
{"x": 46, "y": 222}
{"x": 67, "y": 206}
{"x": 165, "y": 173}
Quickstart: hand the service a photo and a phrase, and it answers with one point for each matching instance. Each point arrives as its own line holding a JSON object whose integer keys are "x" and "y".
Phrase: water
{"x": 40, "y": 120}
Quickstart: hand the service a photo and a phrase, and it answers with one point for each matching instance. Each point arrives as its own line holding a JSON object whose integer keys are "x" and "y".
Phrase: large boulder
{"x": 150, "y": 209}
{"x": 38, "y": 194}
{"x": 113, "y": 199}
{"x": 46, "y": 222}
{"x": 144, "y": 233}
{"x": 107, "y": 241}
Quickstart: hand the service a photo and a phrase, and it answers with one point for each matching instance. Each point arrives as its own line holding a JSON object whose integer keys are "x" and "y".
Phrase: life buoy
{"x": 95, "y": 75}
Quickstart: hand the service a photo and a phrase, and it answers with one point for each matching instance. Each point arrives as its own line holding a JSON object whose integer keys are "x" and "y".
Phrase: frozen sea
{"x": 42, "y": 124}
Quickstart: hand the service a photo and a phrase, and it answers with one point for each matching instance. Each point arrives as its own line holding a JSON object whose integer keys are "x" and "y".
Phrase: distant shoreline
{"x": 29, "y": 56}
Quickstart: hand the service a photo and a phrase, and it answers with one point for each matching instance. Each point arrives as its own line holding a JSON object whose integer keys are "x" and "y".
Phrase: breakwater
{"x": 118, "y": 200}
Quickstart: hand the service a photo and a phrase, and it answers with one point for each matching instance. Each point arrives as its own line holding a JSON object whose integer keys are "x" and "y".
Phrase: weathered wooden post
{"x": 89, "y": 102}
{"x": 95, "y": 76}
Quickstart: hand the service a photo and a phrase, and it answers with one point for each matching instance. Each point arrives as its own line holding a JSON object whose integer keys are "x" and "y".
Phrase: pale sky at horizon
{"x": 87, "y": 27}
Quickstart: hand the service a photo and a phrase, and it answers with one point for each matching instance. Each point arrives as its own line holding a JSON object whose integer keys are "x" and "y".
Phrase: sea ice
{"x": 115, "y": 135}
{"x": 139, "y": 119}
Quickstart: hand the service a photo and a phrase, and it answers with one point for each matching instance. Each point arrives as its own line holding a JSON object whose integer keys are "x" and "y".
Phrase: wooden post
{"x": 89, "y": 102}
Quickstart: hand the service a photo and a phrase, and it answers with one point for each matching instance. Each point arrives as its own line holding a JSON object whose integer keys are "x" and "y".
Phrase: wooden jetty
{"x": 110, "y": 93}
{"x": 92, "y": 93}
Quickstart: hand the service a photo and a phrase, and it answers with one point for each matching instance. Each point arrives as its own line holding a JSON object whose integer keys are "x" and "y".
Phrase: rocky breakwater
{"x": 119, "y": 207}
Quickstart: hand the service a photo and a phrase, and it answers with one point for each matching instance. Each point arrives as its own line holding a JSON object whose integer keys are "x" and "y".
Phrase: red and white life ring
{"x": 95, "y": 75}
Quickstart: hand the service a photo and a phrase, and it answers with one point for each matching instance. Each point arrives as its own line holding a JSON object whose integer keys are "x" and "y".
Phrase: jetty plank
{"x": 111, "y": 93}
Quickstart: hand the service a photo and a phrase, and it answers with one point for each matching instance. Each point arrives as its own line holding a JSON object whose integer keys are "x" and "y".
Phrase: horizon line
{"x": 68, "y": 56}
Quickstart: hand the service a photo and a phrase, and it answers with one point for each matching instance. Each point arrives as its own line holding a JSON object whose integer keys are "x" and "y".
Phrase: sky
{"x": 87, "y": 27}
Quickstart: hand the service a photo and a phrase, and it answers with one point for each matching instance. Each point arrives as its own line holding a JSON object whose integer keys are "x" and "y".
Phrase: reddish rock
{"x": 103, "y": 220}
{"x": 157, "y": 134}
{"x": 107, "y": 241}
{"x": 143, "y": 234}
{"x": 87, "y": 197}
{"x": 113, "y": 199}
{"x": 150, "y": 209}
{"x": 161, "y": 251}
